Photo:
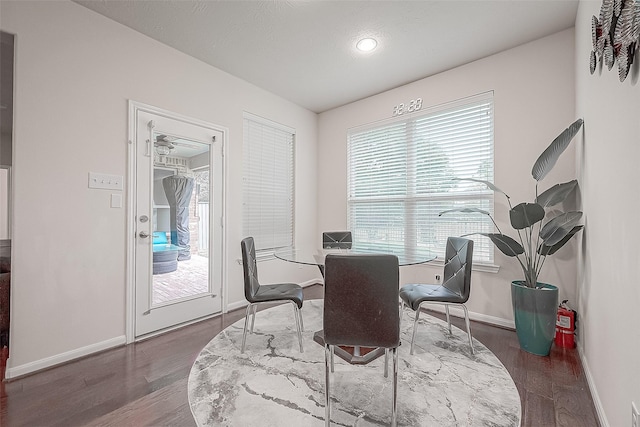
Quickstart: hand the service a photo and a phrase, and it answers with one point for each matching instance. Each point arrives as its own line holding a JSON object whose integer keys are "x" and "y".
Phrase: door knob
{"x": 143, "y": 234}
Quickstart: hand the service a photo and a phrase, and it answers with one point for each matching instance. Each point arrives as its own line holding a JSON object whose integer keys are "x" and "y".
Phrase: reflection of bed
{"x": 165, "y": 255}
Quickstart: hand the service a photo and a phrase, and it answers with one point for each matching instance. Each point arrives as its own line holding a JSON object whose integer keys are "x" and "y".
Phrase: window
{"x": 267, "y": 186}
{"x": 403, "y": 173}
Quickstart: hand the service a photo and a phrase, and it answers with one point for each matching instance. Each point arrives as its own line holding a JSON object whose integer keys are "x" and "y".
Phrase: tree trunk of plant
{"x": 530, "y": 277}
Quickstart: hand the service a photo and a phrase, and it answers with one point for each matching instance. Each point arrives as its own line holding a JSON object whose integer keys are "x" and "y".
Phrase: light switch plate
{"x": 635, "y": 416}
{"x": 116, "y": 200}
{"x": 102, "y": 180}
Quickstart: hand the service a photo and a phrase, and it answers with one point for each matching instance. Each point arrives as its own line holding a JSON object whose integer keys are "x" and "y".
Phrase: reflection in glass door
{"x": 178, "y": 218}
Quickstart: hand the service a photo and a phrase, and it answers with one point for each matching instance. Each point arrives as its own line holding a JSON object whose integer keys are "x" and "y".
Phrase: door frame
{"x": 133, "y": 108}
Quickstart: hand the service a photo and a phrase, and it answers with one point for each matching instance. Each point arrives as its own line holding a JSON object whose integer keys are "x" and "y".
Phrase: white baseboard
{"x": 458, "y": 312}
{"x": 236, "y": 305}
{"x": 28, "y": 368}
{"x": 594, "y": 391}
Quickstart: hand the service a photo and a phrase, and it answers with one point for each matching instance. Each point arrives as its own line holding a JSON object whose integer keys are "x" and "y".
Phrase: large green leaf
{"x": 506, "y": 244}
{"x": 549, "y": 157}
{"x": 465, "y": 210}
{"x": 556, "y": 194}
{"x": 489, "y": 185}
{"x": 525, "y": 215}
{"x": 550, "y": 250}
{"x": 559, "y": 227}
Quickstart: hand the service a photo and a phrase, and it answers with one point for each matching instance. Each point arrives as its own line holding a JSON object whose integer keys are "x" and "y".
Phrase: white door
{"x": 178, "y": 212}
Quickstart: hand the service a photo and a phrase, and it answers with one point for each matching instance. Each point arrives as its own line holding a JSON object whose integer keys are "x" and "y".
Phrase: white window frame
{"x": 411, "y": 202}
{"x": 268, "y": 212}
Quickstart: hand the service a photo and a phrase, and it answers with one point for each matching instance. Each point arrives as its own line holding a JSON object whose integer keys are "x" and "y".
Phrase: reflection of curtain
{"x": 178, "y": 190}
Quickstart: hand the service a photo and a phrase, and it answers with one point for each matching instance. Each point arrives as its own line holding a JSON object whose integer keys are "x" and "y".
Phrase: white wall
{"x": 609, "y": 267}
{"x": 75, "y": 72}
{"x": 534, "y": 101}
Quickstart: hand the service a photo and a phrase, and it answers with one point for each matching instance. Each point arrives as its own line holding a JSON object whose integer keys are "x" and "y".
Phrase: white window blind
{"x": 267, "y": 183}
{"x": 402, "y": 174}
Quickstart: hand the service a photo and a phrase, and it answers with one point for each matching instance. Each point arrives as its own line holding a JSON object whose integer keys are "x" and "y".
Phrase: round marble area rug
{"x": 273, "y": 384}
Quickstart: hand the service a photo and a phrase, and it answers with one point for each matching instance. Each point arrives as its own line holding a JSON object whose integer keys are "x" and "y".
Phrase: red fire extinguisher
{"x": 565, "y": 326}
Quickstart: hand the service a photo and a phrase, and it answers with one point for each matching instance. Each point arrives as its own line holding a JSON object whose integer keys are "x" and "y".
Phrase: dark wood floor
{"x": 145, "y": 384}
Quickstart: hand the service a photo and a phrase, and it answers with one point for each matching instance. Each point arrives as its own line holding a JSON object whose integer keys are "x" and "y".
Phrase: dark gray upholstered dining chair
{"x": 454, "y": 290}
{"x": 256, "y": 293}
{"x": 335, "y": 240}
{"x": 361, "y": 309}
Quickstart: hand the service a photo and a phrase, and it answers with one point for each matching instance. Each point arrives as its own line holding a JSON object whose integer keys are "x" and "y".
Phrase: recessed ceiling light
{"x": 367, "y": 44}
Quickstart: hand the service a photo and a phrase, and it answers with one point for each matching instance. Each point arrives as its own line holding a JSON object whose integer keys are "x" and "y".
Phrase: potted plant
{"x": 535, "y": 304}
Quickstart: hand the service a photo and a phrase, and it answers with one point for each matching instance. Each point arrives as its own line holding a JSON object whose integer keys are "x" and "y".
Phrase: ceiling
{"x": 304, "y": 50}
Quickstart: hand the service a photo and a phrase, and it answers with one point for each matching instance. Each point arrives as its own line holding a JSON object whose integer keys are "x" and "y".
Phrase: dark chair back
{"x": 361, "y": 300}
{"x": 250, "y": 267}
{"x": 337, "y": 240}
{"x": 457, "y": 268}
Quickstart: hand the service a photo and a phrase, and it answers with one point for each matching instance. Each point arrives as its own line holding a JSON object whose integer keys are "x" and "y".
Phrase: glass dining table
{"x": 412, "y": 256}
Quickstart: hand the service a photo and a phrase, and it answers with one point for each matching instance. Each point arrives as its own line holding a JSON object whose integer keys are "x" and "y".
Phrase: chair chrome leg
{"x": 253, "y": 317}
{"x": 246, "y": 322}
{"x": 386, "y": 362}
{"x": 301, "y": 324}
{"x": 466, "y": 321}
{"x": 446, "y": 309}
{"x": 394, "y": 404}
{"x": 415, "y": 327}
{"x": 332, "y": 368}
{"x": 296, "y": 314}
{"x": 328, "y": 354}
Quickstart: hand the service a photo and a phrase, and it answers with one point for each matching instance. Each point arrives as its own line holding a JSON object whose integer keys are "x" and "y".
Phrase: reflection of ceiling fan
{"x": 164, "y": 144}
{"x": 177, "y": 146}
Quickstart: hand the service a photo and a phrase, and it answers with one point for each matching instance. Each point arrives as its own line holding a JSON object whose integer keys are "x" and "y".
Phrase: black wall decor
{"x": 616, "y": 35}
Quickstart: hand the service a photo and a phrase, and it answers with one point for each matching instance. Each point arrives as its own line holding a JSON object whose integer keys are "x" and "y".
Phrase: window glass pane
{"x": 379, "y": 162}
{"x": 404, "y": 173}
{"x": 379, "y": 224}
{"x": 432, "y": 230}
{"x": 268, "y": 184}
